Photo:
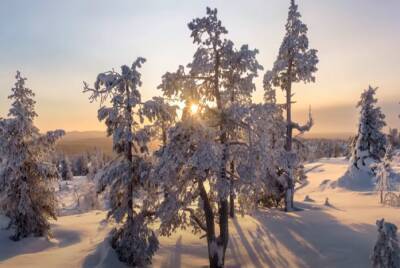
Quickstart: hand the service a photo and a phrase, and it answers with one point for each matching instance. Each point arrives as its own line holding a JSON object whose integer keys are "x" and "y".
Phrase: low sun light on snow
{"x": 194, "y": 108}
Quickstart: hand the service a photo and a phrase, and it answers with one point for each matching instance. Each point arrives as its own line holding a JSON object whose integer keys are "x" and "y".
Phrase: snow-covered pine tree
{"x": 386, "y": 252}
{"x": 368, "y": 146}
{"x": 28, "y": 194}
{"x": 199, "y": 147}
{"x": 127, "y": 176}
{"x": 241, "y": 68}
{"x": 295, "y": 63}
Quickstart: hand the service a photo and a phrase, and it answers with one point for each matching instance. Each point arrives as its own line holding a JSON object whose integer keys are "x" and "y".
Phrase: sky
{"x": 59, "y": 44}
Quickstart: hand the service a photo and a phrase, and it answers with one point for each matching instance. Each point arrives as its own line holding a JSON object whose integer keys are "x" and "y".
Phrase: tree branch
{"x": 306, "y": 127}
{"x": 196, "y": 219}
{"x": 238, "y": 143}
{"x": 232, "y": 175}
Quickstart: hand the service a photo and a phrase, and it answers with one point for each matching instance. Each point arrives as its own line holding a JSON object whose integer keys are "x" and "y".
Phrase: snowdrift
{"x": 357, "y": 180}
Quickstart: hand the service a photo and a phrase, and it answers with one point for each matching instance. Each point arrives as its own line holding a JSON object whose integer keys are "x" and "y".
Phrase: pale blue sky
{"x": 58, "y": 44}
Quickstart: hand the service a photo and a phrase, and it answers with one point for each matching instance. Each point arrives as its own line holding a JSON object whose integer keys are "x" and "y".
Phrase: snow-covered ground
{"x": 341, "y": 235}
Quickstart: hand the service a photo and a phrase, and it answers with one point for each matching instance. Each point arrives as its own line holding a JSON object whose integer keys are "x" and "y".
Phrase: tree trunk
{"x": 232, "y": 202}
{"x": 232, "y": 192}
{"x": 163, "y": 133}
{"x": 223, "y": 227}
{"x": 223, "y": 209}
{"x": 288, "y": 146}
{"x": 129, "y": 156}
{"x": 217, "y": 247}
{"x": 210, "y": 232}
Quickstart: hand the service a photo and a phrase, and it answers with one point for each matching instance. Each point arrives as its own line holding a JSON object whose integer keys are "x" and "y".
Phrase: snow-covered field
{"x": 340, "y": 235}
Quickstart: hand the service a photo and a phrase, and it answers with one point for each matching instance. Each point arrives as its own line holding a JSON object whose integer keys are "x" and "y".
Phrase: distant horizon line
{"x": 337, "y": 134}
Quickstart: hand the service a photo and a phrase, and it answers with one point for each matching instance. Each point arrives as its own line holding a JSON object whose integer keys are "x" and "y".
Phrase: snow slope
{"x": 341, "y": 235}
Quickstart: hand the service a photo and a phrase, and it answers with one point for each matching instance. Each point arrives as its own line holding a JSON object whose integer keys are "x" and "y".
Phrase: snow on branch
{"x": 306, "y": 127}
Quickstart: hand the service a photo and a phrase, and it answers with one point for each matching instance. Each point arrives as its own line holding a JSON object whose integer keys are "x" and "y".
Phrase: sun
{"x": 194, "y": 108}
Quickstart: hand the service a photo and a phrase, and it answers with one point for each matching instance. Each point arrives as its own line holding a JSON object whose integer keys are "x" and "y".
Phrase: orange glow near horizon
{"x": 56, "y": 58}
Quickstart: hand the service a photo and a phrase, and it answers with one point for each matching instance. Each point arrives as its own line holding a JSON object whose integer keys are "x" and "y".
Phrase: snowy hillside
{"x": 340, "y": 235}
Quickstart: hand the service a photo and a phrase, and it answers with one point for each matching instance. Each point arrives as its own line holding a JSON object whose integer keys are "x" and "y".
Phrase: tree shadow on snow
{"x": 29, "y": 245}
{"x": 174, "y": 254}
{"x": 175, "y": 258}
{"x": 103, "y": 256}
{"x": 270, "y": 238}
{"x": 310, "y": 238}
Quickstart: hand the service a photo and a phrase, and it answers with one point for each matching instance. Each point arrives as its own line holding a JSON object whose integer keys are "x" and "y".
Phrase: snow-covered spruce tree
{"x": 369, "y": 145}
{"x": 386, "y": 252}
{"x": 370, "y": 141}
{"x": 80, "y": 165}
{"x": 193, "y": 165}
{"x": 64, "y": 168}
{"x": 132, "y": 205}
{"x": 28, "y": 195}
{"x": 295, "y": 63}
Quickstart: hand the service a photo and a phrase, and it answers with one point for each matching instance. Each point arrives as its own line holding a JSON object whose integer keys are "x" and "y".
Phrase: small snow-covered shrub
{"x": 87, "y": 200}
{"x": 307, "y": 198}
{"x": 386, "y": 252}
{"x": 385, "y": 176}
{"x": 327, "y": 202}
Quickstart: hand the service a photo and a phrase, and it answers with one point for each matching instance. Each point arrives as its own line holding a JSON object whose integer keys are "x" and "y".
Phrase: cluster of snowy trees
{"x": 313, "y": 149}
{"x": 222, "y": 154}
{"x": 84, "y": 164}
